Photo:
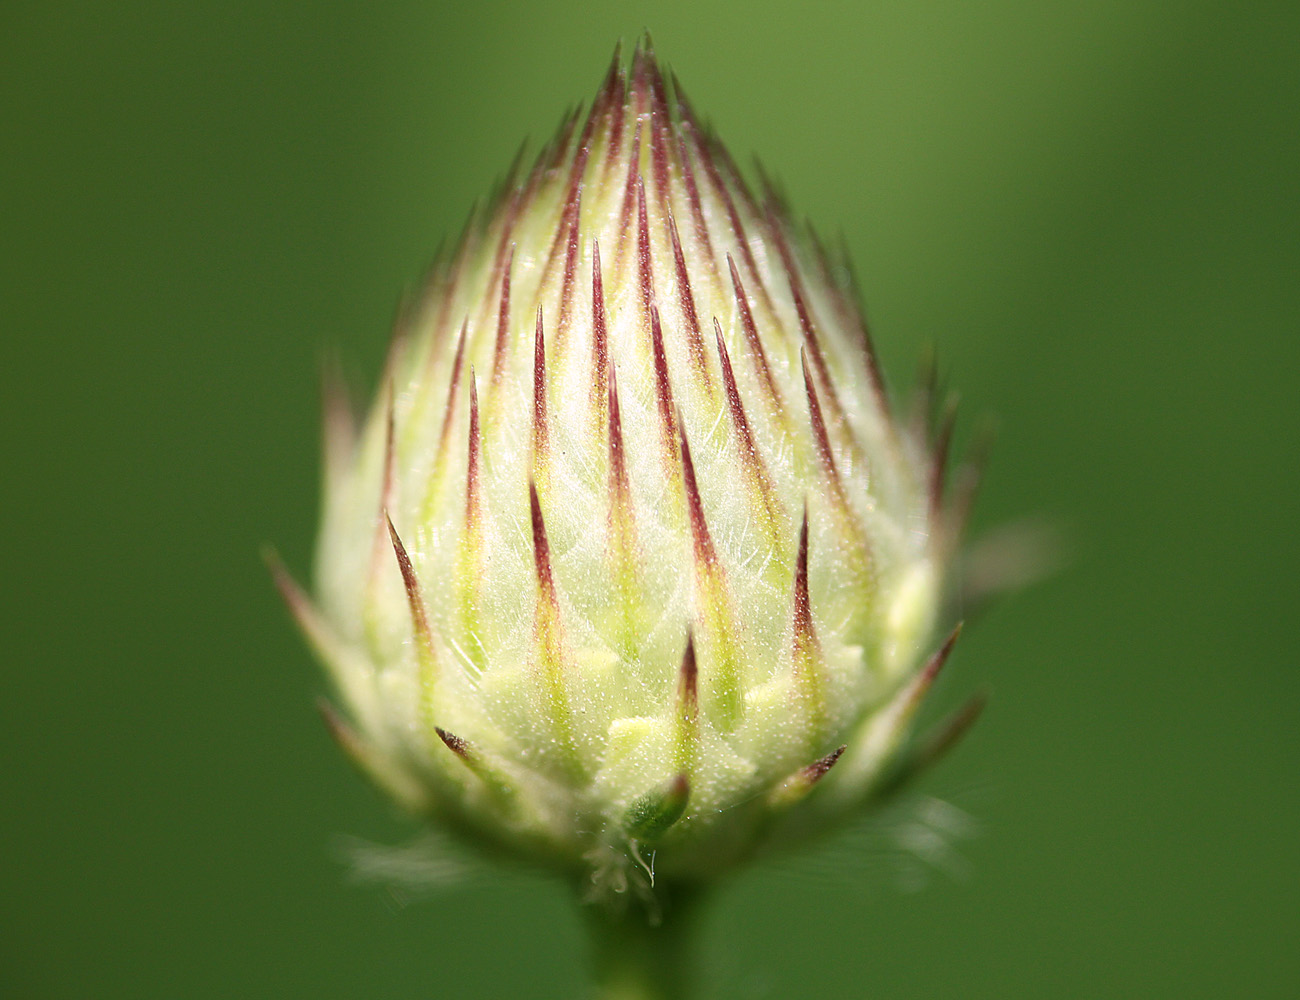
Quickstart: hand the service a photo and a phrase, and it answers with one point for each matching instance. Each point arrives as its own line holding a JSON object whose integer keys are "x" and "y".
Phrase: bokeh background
{"x": 1090, "y": 209}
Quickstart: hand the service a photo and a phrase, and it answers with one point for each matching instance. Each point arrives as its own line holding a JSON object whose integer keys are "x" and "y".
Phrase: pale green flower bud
{"x": 631, "y": 565}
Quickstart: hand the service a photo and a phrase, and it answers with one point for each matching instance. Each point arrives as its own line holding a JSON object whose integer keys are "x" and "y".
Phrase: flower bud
{"x": 630, "y": 568}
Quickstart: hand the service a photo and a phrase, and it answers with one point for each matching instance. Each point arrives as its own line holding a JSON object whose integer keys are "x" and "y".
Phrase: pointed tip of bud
{"x": 671, "y": 491}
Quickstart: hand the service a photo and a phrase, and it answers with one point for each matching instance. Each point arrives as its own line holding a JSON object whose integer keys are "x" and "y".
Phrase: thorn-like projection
{"x": 438, "y": 471}
{"x": 850, "y": 525}
{"x": 622, "y": 521}
{"x": 776, "y": 205}
{"x": 756, "y": 474}
{"x": 945, "y": 735}
{"x": 454, "y": 743}
{"x": 921, "y": 418}
{"x": 966, "y": 484}
{"x": 686, "y": 710}
{"x": 811, "y": 342}
{"x": 619, "y": 488}
{"x": 642, "y": 68}
{"x": 939, "y": 458}
{"x": 645, "y": 270}
{"x": 629, "y": 201}
{"x": 713, "y": 603}
{"x": 710, "y": 153}
{"x": 820, "y": 437}
{"x": 419, "y": 612}
{"x": 377, "y": 767}
{"x": 649, "y": 817}
{"x": 754, "y": 342}
{"x": 668, "y": 423}
{"x": 558, "y": 151}
{"x": 349, "y": 669}
{"x": 805, "y": 637}
{"x": 472, "y": 503}
{"x": 319, "y": 635}
{"x": 542, "y": 554}
{"x": 610, "y": 95}
{"x": 475, "y": 761}
{"x": 706, "y": 556}
{"x": 540, "y": 430}
{"x": 549, "y": 641}
{"x": 660, "y": 127}
{"x": 469, "y": 557}
{"x": 910, "y": 698}
{"x": 932, "y": 667}
{"x": 505, "y": 249}
{"x": 815, "y": 771}
{"x": 621, "y": 534}
{"x": 615, "y": 112}
{"x": 698, "y": 219}
{"x": 694, "y": 339}
{"x": 930, "y": 748}
{"x": 503, "y": 326}
{"x": 688, "y": 695}
{"x": 799, "y": 784}
{"x": 849, "y": 306}
{"x": 806, "y": 653}
{"x": 599, "y": 336}
{"x": 880, "y": 736}
{"x": 573, "y": 241}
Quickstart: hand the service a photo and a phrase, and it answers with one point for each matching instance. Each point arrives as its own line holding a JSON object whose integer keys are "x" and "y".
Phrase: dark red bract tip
{"x": 688, "y": 683}
{"x": 419, "y": 615}
{"x": 539, "y": 391}
{"x": 803, "y": 623}
{"x": 939, "y": 457}
{"x": 932, "y": 667}
{"x": 618, "y": 481}
{"x": 824, "y": 453}
{"x": 599, "y": 331}
{"x": 752, "y": 338}
{"x": 694, "y": 340}
{"x": 704, "y": 552}
{"x": 645, "y": 269}
{"x": 471, "y": 471}
{"x": 663, "y": 387}
{"x": 572, "y": 215}
{"x": 503, "y": 322}
{"x": 454, "y": 743}
{"x": 541, "y": 546}
{"x": 815, "y": 771}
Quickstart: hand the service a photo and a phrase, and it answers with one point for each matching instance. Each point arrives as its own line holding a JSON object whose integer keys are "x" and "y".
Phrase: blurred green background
{"x": 1091, "y": 210}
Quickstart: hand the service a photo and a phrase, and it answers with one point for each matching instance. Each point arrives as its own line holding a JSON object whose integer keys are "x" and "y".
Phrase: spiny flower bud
{"x": 631, "y": 564}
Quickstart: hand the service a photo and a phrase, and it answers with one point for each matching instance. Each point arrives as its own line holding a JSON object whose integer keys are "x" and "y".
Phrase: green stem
{"x": 637, "y": 958}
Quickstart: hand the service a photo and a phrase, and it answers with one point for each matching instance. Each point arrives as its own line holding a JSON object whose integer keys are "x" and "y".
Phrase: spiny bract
{"x": 630, "y": 557}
